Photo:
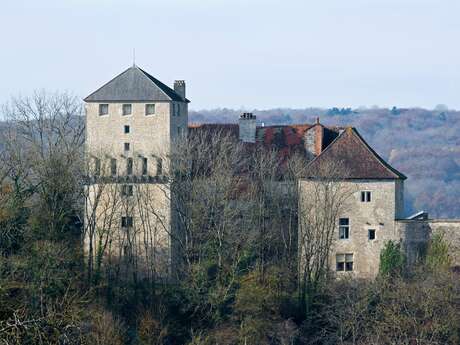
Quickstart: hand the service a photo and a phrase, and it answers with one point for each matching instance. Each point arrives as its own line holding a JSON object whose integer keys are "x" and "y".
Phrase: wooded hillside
{"x": 423, "y": 144}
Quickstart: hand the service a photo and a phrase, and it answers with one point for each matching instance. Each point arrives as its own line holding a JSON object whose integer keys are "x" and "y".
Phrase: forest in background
{"x": 423, "y": 144}
{"x": 239, "y": 281}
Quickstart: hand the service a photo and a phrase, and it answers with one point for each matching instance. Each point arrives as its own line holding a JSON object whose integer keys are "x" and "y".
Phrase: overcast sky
{"x": 234, "y": 53}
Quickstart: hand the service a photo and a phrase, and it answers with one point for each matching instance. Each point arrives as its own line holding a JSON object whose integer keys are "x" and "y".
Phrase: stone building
{"x": 132, "y": 123}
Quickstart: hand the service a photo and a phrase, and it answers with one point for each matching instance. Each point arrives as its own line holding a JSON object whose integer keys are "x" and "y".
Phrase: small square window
{"x": 127, "y": 190}
{"x": 127, "y": 129}
{"x": 150, "y": 109}
{"x": 371, "y": 234}
{"x": 127, "y": 147}
{"x": 126, "y": 109}
{"x": 365, "y": 196}
{"x": 103, "y": 109}
{"x": 344, "y": 228}
{"x": 126, "y": 222}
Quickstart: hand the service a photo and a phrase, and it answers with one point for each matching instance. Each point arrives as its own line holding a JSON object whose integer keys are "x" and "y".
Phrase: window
{"x": 127, "y": 129}
{"x": 126, "y": 109}
{"x": 344, "y": 262}
{"x": 344, "y": 228}
{"x": 113, "y": 166}
{"x": 159, "y": 166}
{"x": 179, "y": 130}
{"x": 127, "y": 190}
{"x": 366, "y": 196}
{"x": 97, "y": 166}
{"x": 127, "y": 222}
{"x": 126, "y": 146}
{"x": 103, "y": 109}
{"x": 178, "y": 109}
{"x": 150, "y": 109}
{"x": 129, "y": 166}
{"x": 371, "y": 234}
{"x": 144, "y": 165}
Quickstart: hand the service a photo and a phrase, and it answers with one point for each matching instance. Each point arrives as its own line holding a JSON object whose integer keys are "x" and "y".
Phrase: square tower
{"x": 131, "y": 124}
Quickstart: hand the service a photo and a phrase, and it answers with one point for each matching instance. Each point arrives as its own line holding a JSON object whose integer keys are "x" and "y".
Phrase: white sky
{"x": 234, "y": 53}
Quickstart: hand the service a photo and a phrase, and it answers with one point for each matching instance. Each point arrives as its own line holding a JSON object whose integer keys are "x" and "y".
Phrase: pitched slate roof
{"x": 356, "y": 160}
{"x": 134, "y": 84}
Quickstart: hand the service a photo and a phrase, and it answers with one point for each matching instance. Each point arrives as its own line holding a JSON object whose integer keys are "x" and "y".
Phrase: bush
{"x": 392, "y": 259}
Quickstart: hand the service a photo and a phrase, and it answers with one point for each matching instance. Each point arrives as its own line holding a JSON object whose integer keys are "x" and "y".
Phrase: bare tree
{"x": 321, "y": 201}
{"x": 43, "y": 154}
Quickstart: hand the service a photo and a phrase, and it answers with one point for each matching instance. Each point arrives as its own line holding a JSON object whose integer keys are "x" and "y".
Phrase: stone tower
{"x": 131, "y": 124}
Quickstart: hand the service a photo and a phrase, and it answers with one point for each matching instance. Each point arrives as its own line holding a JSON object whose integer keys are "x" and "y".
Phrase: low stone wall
{"x": 450, "y": 230}
{"x": 415, "y": 235}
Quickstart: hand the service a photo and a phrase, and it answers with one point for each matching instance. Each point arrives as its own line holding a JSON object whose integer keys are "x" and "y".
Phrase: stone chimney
{"x": 247, "y": 127}
{"x": 179, "y": 87}
{"x": 314, "y": 138}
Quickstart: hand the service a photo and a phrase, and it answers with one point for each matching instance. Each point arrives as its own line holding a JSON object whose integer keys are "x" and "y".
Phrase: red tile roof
{"x": 356, "y": 158}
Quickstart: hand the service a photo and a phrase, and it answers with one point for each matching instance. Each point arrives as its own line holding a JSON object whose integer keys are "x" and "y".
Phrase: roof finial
{"x": 134, "y": 57}
{"x": 317, "y": 120}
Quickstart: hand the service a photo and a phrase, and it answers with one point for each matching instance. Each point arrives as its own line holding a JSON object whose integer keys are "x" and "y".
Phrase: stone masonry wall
{"x": 379, "y": 214}
{"x": 415, "y": 235}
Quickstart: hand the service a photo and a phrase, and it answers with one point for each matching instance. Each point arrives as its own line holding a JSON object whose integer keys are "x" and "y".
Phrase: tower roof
{"x": 355, "y": 160}
{"x": 134, "y": 84}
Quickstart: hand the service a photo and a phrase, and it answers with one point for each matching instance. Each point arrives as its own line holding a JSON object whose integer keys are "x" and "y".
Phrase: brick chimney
{"x": 247, "y": 127}
{"x": 179, "y": 87}
{"x": 319, "y": 135}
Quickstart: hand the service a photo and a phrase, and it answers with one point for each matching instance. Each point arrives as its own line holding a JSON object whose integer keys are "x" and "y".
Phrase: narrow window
{"x": 365, "y": 196}
{"x": 348, "y": 262}
{"x": 173, "y": 109}
{"x": 159, "y": 166}
{"x": 126, "y": 222}
{"x": 344, "y": 228}
{"x": 113, "y": 166}
{"x": 127, "y": 190}
{"x": 150, "y": 109}
{"x": 371, "y": 234}
{"x": 129, "y": 166}
{"x": 103, "y": 109}
{"x": 178, "y": 109}
{"x": 144, "y": 166}
{"x": 126, "y": 146}
{"x": 127, "y": 129}
{"x": 179, "y": 130}
{"x": 340, "y": 261}
{"x": 126, "y": 109}
{"x": 344, "y": 262}
{"x": 97, "y": 166}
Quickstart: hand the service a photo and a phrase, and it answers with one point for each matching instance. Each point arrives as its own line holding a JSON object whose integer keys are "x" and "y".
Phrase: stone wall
{"x": 415, "y": 236}
{"x": 147, "y": 242}
{"x": 378, "y": 215}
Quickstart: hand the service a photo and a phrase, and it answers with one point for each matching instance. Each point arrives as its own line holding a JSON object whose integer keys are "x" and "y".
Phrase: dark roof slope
{"x": 134, "y": 84}
{"x": 356, "y": 160}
